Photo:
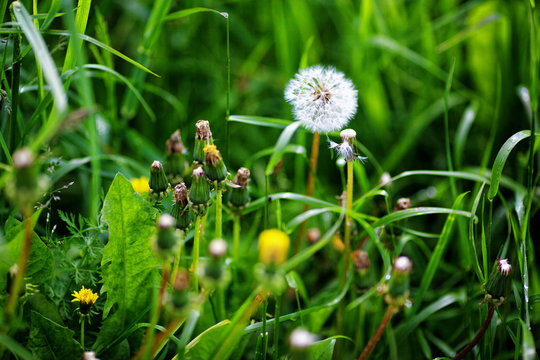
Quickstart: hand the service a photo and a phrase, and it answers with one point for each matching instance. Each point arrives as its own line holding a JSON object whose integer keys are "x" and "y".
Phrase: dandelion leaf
{"x": 49, "y": 340}
{"x": 129, "y": 267}
{"x": 321, "y": 350}
{"x": 203, "y": 346}
{"x": 40, "y": 261}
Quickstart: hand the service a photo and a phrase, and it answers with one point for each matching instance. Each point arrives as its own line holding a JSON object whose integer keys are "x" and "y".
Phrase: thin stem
{"x": 195, "y": 254}
{"x": 265, "y": 341}
{"x": 219, "y": 211}
{"x": 176, "y": 263}
{"x": 309, "y": 188}
{"x": 23, "y": 262}
{"x": 478, "y": 336}
{"x": 82, "y": 333}
{"x": 375, "y": 338}
{"x": 348, "y": 223}
{"x": 276, "y": 328}
{"x": 236, "y": 237}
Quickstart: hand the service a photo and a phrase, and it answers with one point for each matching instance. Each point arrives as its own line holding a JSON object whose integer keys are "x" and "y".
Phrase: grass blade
{"x": 260, "y": 121}
{"x": 283, "y": 141}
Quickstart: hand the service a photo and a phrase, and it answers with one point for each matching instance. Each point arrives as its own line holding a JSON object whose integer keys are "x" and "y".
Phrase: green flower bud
{"x": 181, "y": 210}
{"x": 203, "y": 137}
{"x": 175, "y": 163}
{"x": 158, "y": 181}
{"x": 214, "y": 272}
{"x": 214, "y": 167}
{"x": 180, "y": 297}
{"x": 499, "y": 281}
{"x": 398, "y": 287}
{"x": 166, "y": 240}
{"x": 199, "y": 194}
{"x": 239, "y": 196}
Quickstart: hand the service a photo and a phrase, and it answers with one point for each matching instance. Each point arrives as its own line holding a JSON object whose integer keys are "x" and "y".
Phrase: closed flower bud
{"x": 175, "y": 163}
{"x": 214, "y": 167}
{"x": 273, "y": 246}
{"x": 217, "y": 248}
{"x": 203, "y": 137}
{"x": 199, "y": 194}
{"x": 499, "y": 281}
{"x": 360, "y": 260}
{"x": 214, "y": 272}
{"x": 158, "y": 180}
{"x": 313, "y": 235}
{"x": 181, "y": 210}
{"x": 239, "y": 196}
{"x": 398, "y": 287}
{"x": 402, "y": 204}
{"x": 180, "y": 297}
{"x": 166, "y": 240}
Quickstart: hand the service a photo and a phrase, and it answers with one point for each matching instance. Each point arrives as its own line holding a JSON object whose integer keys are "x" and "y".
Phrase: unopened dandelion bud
{"x": 337, "y": 243}
{"x": 361, "y": 260}
{"x": 27, "y": 185}
{"x": 175, "y": 163}
{"x": 181, "y": 210}
{"x": 385, "y": 180}
{"x": 499, "y": 281}
{"x": 199, "y": 194}
{"x": 203, "y": 137}
{"x": 180, "y": 296}
{"x": 313, "y": 235}
{"x": 398, "y": 287}
{"x": 158, "y": 180}
{"x": 239, "y": 196}
{"x": 301, "y": 338}
{"x": 166, "y": 237}
{"x": 217, "y": 248}
{"x": 273, "y": 246}
{"x": 214, "y": 167}
{"x": 402, "y": 204}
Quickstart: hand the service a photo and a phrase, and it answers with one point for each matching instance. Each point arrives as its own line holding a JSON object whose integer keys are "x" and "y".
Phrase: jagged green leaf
{"x": 129, "y": 267}
{"x": 203, "y": 345}
{"x": 49, "y": 340}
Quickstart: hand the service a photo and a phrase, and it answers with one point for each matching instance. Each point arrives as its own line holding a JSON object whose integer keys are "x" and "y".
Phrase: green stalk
{"x": 348, "y": 223}
{"x": 176, "y": 263}
{"x": 82, "y": 333}
{"x": 195, "y": 254}
{"x": 41, "y": 92}
{"x": 16, "y": 73}
{"x": 219, "y": 211}
{"x": 276, "y": 328}
{"x": 236, "y": 237}
{"x": 265, "y": 340}
{"x": 375, "y": 339}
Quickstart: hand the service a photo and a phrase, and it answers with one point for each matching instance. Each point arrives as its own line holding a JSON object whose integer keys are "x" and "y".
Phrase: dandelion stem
{"x": 348, "y": 223}
{"x": 82, "y": 333}
{"x": 276, "y": 328}
{"x": 219, "y": 210}
{"x": 265, "y": 340}
{"x": 375, "y": 338}
{"x": 195, "y": 254}
{"x": 176, "y": 263}
{"x": 236, "y": 237}
{"x": 23, "y": 262}
{"x": 309, "y": 188}
{"x": 478, "y": 336}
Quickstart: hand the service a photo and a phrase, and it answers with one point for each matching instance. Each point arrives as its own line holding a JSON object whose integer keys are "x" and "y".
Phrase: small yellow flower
{"x": 86, "y": 298}
{"x": 273, "y": 246}
{"x": 212, "y": 154}
{"x": 140, "y": 185}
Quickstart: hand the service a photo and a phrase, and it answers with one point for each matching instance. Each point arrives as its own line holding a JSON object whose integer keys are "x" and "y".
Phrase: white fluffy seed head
{"x": 347, "y": 134}
{"x": 322, "y": 98}
{"x": 402, "y": 264}
{"x": 166, "y": 221}
{"x": 89, "y": 355}
{"x": 198, "y": 172}
{"x": 504, "y": 266}
{"x": 301, "y": 338}
{"x": 217, "y": 248}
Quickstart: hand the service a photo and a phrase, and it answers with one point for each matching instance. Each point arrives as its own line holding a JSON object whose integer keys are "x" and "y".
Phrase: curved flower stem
{"x": 375, "y": 338}
{"x": 309, "y": 188}
{"x": 219, "y": 210}
{"x": 23, "y": 262}
{"x": 478, "y": 336}
{"x": 195, "y": 254}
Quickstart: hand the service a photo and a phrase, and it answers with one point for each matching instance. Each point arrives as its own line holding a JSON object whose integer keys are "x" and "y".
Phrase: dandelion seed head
{"x": 301, "y": 338}
{"x": 504, "y": 266}
{"x": 322, "y": 98}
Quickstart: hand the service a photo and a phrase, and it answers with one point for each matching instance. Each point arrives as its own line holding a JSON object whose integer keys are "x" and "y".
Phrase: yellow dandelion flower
{"x": 140, "y": 184}
{"x": 212, "y": 154}
{"x": 86, "y": 298}
{"x": 273, "y": 246}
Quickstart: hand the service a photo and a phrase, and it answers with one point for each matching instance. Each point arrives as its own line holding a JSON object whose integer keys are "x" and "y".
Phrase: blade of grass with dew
{"x": 500, "y": 161}
{"x": 437, "y": 255}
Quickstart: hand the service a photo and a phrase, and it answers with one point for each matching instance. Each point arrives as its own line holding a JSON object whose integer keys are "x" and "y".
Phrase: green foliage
{"x": 49, "y": 340}
{"x": 128, "y": 267}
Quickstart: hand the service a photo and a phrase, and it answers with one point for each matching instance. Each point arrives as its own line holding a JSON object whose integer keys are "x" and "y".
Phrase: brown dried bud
{"x": 313, "y": 235}
{"x": 242, "y": 177}
{"x": 403, "y": 204}
{"x": 174, "y": 144}
{"x": 360, "y": 259}
{"x": 181, "y": 194}
{"x": 181, "y": 280}
{"x": 203, "y": 130}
